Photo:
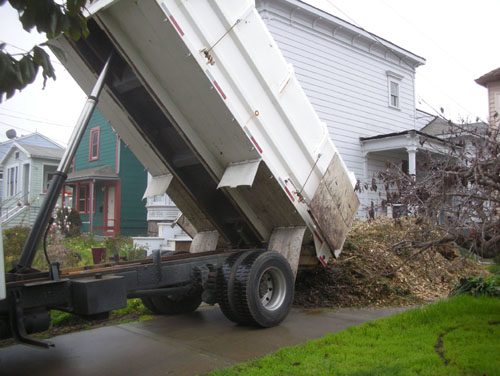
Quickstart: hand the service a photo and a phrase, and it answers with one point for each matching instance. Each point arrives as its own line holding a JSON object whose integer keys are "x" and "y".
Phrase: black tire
{"x": 225, "y": 285}
{"x": 148, "y": 303}
{"x": 263, "y": 288}
{"x": 176, "y": 305}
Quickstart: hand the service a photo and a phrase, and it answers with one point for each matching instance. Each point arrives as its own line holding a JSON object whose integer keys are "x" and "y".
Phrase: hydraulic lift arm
{"x": 59, "y": 179}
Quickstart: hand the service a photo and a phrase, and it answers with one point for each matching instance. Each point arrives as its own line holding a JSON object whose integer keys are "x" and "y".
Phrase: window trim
{"x": 85, "y": 199}
{"x": 92, "y": 132}
{"x": 12, "y": 187}
{"x": 45, "y": 176}
{"x": 394, "y": 78}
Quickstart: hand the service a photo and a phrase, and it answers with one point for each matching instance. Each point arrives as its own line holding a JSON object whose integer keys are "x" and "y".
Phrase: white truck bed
{"x": 203, "y": 93}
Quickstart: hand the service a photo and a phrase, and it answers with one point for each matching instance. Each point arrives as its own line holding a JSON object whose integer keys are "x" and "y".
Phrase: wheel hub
{"x": 272, "y": 288}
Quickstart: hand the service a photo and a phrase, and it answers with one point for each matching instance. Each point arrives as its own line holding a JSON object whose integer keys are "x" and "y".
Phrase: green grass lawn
{"x": 460, "y": 336}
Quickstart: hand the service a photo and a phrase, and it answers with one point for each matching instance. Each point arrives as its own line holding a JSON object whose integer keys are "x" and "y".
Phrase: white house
{"x": 362, "y": 86}
{"x": 163, "y": 231}
{"x": 27, "y": 170}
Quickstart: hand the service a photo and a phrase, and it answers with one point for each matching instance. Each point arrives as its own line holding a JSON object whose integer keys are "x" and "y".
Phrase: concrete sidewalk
{"x": 176, "y": 345}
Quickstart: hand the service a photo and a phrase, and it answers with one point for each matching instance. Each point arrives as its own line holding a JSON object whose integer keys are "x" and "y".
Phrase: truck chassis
{"x": 252, "y": 287}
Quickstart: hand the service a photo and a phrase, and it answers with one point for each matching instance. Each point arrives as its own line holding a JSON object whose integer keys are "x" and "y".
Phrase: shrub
{"x": 13, "y": 242}
{"x": 494, "y": 269}
{"x": 124, "y": 247}
{"x": 68, "y": 222}
{"x": 478, "y": 286}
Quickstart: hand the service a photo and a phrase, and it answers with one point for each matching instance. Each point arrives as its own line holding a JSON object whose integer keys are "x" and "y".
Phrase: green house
{"x": 107, "y": 183}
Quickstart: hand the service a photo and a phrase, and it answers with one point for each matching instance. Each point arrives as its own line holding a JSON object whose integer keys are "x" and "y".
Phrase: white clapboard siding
{"x": 346, "y": 80}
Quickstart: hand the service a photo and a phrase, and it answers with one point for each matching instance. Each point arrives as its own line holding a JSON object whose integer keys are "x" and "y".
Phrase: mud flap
{"x": 288, "y": 242}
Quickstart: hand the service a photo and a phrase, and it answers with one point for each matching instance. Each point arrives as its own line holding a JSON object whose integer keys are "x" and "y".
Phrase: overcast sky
{"x": 456, "y": 37}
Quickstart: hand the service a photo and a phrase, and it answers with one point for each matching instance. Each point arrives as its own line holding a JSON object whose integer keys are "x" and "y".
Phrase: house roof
{"x": 492, "y": 76}
{"x": 410, "y": 140}
{"x": 33, "y": 151}
{"x": 442, "y": 127}
{"x": 388, "y": 135}
{"x": 433, "y": 137}
{"x": 30, "y": 139}
{"x": 97, "y": 173}
{"x": 43, "y": 152}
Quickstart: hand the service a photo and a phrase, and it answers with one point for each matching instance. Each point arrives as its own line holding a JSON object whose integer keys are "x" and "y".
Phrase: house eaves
{"x": 93, "y": 173}
{"x": 334, "y": 27}
{"x": 34, "y": 152}
{"x": 405, "y": 140}
{"x": 43, "y": 152}
{"x": 489, "y": 77}
{"x": 14, "y": 146}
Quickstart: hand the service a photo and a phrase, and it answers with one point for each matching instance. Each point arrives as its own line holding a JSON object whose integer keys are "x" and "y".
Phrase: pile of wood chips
{"x": 372, "y": 272}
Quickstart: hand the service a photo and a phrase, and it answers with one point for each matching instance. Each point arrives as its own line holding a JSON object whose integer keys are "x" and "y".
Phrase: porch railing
{"x": 13, "y": 205}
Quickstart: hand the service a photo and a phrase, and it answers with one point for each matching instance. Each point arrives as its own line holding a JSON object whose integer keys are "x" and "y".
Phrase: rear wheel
{"x": 225, "y": 285}
{"x": 263, "y": 289}
{"x": 146, "y": 300}
{"x": 176, "y": 305}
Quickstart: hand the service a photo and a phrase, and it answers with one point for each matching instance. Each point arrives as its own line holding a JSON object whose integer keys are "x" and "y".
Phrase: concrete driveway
{"x": 176, "y": 345}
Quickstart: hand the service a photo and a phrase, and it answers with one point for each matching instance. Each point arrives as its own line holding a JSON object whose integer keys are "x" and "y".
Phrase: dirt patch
{"x": 370, "y": 272}
{"x": 439, "y": 346}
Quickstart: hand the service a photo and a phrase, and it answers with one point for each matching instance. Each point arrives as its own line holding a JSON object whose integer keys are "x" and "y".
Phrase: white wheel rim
{"x": 272, "y": 288}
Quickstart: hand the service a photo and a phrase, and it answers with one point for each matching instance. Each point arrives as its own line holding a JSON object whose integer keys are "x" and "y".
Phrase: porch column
{"x": 91, "y": 209}
{"x": 412, "y": 160}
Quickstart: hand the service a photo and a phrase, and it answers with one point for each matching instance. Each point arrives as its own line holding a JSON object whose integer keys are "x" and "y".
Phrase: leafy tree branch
{"x": 19, "y": 70}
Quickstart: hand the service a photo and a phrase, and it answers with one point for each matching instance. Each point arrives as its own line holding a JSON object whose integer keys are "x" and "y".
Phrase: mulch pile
{"x": 371, "y": 271}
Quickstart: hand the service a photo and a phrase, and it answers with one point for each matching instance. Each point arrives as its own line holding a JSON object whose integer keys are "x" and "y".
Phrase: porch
{"x": 401, "y": 149}
{"x": 97, "y": 197}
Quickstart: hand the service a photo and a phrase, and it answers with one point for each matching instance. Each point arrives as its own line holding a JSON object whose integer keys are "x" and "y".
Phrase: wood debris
{"x": 379, "y": 267}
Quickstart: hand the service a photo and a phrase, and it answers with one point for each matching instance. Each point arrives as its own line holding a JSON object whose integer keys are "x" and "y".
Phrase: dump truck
{"x": 202, "y": 95}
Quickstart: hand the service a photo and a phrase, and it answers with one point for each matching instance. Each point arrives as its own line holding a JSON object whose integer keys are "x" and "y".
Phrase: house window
{"x": 50, "y": 175}
{"x": 83, "y": 199}
{"x": 158, "y": 199}
{"x": 17, "y": 155}
{"x": 394, "y": 94}
{"x": 12, "y": 176}
{"x": 393, "y": 84}
{"x": 94, "y": 144}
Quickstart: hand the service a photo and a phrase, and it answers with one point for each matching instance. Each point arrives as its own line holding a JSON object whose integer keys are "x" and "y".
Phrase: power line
{"x": 26, "y": 51}
{"x": 455, "y": 59}
{"x": 36, "y": 121}
{"x": 30, "y": 131}
{"x": 22, "y": 113}
{"x": 377, "y": 39}
{"x": 449, "y": 97}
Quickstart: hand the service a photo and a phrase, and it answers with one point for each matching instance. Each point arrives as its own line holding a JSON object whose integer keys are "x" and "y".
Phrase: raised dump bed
{"x": 204, "y": 98}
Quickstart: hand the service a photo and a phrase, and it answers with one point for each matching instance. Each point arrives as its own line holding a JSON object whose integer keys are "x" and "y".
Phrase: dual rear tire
{"x": 253, "y": 288}
{"x": 256, "y": 288}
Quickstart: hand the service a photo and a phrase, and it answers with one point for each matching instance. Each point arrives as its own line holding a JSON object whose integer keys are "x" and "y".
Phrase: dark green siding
{"x": 107, "y": 145}
{"x": 134, "y": 179}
